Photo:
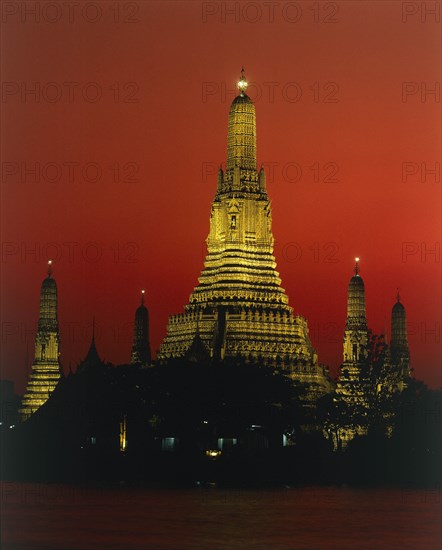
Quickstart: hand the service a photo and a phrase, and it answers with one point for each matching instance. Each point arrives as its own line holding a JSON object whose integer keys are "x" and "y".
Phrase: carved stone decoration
{"x": 239, "y": 281}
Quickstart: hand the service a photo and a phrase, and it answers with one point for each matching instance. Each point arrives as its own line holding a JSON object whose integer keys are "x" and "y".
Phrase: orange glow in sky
{"x": 114, "y": 124}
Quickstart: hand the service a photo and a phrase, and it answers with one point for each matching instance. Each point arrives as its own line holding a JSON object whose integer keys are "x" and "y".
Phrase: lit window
{"x": 168, "y": 444}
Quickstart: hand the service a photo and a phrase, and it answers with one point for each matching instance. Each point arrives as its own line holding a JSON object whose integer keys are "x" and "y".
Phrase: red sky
{"x": 338, "y": 72}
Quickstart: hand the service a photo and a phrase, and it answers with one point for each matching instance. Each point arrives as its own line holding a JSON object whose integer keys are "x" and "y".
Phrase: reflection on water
{"x": 61, "y": 517}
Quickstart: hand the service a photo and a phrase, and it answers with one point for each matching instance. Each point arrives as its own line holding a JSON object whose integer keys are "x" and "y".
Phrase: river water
{"x": 60, "y": 517}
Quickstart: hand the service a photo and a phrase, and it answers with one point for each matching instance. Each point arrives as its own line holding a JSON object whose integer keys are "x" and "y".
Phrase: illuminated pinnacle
{"x": 46, "y": 370}
{"x": 240, "y": 268}
{"x": 241, "y": 133}
{"x": 242, "y": 83}
{"x": 142, "y": 297}
{"x": 356, "y": 266}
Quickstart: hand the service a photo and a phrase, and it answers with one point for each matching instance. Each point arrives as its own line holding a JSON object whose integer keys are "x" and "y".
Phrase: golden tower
{"x": 355, "y": 340}
{"x": 46, "y": 370}
{"x": 351, "y": 386}
{"x": 356, "y": 331}
{"x": 239, "y": 309}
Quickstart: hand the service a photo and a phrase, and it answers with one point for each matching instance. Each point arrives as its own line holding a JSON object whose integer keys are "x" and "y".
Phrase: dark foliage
{"x": 74, "y": 437}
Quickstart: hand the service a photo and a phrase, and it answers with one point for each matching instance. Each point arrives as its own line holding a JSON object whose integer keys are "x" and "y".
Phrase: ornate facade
{"x": 46, "y": 370}
{"x": 366, "y": 380}
{"x": 351, "y": 387}
{"x": 239, "y": 309}
{"x": 355, "y": 335}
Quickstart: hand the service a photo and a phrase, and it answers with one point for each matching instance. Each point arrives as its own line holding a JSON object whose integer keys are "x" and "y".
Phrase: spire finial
{"x": 398, "y": 296}
{"x": 356, "y": 266}
{"x": 49, "y": 268}
{"x": 142, "y": 297}
{"x": 242, "y": 83}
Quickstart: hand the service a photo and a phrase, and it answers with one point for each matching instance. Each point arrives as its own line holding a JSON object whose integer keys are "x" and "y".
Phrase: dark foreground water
{"x": 47, "y": 517}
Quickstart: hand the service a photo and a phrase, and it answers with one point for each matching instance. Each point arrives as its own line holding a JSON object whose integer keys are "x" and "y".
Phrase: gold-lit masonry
{"x": 353, "y": 387}
{"x": 46, "y": 370}
{"x": 350, "y": 387}
{"x": 239, "y": 309}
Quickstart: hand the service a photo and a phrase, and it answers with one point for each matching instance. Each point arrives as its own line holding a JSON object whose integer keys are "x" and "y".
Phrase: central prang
{"x": 239, "y": 310}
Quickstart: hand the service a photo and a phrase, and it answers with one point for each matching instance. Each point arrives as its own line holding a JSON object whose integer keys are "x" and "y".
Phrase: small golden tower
{"x": 356, "y": 332}
{"x": 351, "y": 387}
{"x": 46, "y": 371}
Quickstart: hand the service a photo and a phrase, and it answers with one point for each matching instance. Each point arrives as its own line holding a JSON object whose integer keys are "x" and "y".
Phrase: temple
{"x": 372, "y": 371}
{"x": 239, "y": 309}
{"x": 237, "y": 314}
{"x": 46, "y": 370}
{"x": 352, "y": 387}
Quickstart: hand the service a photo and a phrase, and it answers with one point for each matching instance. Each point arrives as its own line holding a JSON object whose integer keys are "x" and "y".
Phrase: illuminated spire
{"x": 48, "y": 302}
{"x": 356, "y": 330}
{"x": 142, "y": 297}
{"x": 241, "y": 137}
{"x": 46, "y": 369}
{"x": 242, "y": 83}
{"x": 240, "y": 269}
